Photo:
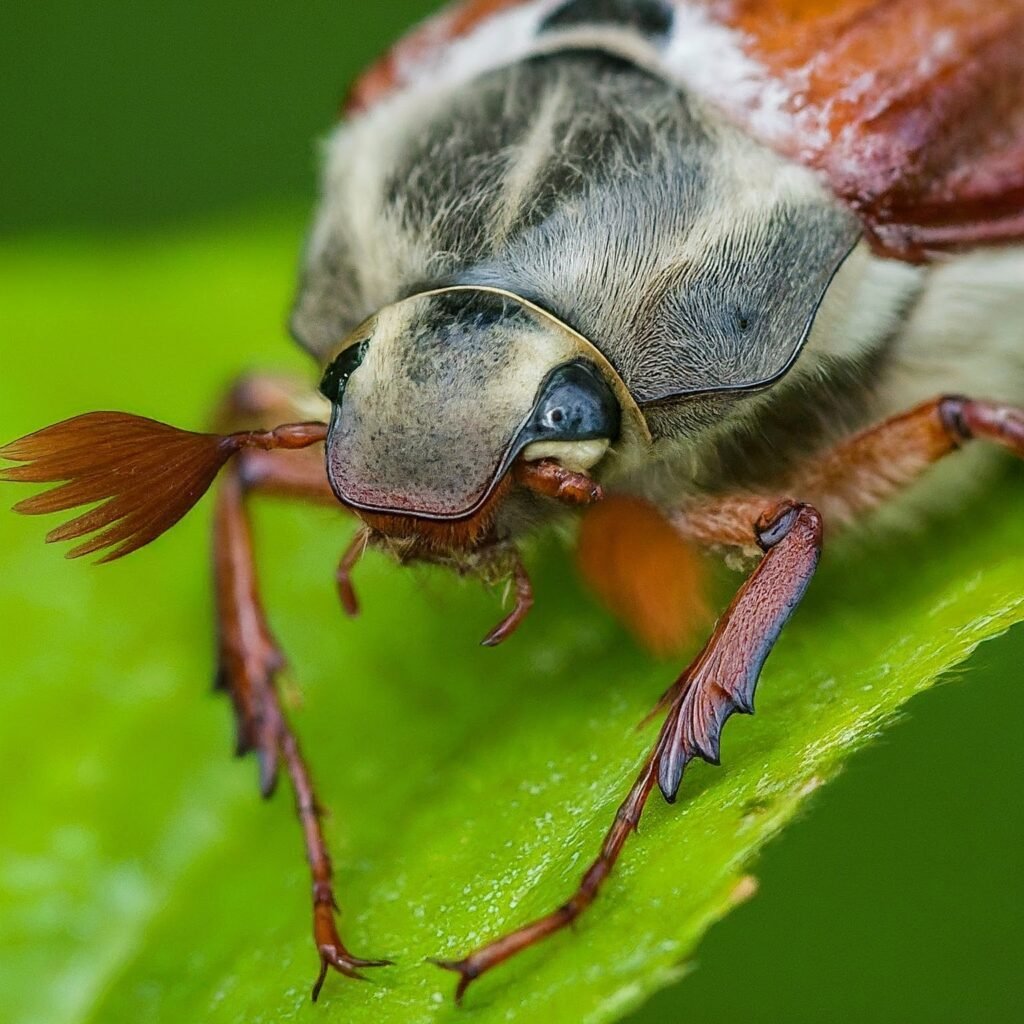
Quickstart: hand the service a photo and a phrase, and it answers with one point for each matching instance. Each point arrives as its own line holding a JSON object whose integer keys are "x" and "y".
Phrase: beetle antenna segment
{"x": 524, "y": 602}
{"x": 349, "y": 560}
{"x": 143, "y": 476}
{"x": 552, "y": 480}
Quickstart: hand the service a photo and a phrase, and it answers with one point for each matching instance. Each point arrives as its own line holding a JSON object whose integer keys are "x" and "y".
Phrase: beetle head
{"x": 436, "y": 398}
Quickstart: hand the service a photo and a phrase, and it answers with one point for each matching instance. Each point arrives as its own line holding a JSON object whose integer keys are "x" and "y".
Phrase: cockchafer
{"x": 684, "y": 264}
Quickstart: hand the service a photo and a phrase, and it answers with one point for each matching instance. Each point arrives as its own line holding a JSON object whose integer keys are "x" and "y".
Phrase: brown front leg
{"x": 249, "y": 661}
{"x": 720, "y": 682}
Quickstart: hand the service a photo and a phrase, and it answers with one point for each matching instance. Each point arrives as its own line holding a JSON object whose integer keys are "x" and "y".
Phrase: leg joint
{"x": 777, "y": 523}
{"x": 952, "y": 413}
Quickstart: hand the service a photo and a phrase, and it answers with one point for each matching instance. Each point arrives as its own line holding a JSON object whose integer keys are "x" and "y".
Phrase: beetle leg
{"x": 248, "y": 664}
{"x": 847, "y": 481}
{"x": 859, "y": 474}
{"x": 524, "y": 602}
{"x": 343, "y": 576}
{"x": 720, "y": 682}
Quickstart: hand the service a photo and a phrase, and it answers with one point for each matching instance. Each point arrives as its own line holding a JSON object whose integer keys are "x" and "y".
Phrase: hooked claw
{"x": 344, "y": 963}
{"x": 465, "y": 969}
{"x": 524, "y": 602}
{"x": 329, "y": 947}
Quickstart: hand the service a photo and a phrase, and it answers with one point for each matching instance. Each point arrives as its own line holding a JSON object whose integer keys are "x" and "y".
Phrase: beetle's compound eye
{"x": 332, "y": 386}
{"x": 575, "y": 403}
{"x": 575, "y": 420}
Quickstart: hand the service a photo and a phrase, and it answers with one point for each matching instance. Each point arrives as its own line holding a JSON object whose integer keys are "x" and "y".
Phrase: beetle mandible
{"x": 735, "y": 262}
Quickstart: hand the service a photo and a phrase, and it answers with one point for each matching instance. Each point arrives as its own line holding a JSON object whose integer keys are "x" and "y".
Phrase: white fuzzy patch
{"x": 864, "y": 303}
{"x": 967, "y": 333}
{"x": 710, "y": 60}
{"x": 500, "y": 39}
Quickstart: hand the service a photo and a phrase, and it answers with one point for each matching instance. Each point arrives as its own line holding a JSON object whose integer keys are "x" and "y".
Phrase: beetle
{"x": 727, "y": 267}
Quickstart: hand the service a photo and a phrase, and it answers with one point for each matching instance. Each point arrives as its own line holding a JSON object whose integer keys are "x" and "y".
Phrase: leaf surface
{"x": 141, "y": 877}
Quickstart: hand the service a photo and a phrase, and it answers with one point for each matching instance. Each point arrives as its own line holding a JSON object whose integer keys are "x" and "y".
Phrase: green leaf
{"x": 143, "y": 879}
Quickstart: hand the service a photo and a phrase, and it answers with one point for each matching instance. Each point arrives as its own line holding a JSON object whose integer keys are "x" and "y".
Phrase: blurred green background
{"x": 898, "y": 897}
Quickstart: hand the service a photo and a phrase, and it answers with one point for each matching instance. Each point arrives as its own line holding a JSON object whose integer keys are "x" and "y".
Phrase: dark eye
{"x": 575, "y": 404}
{"x": 332, "y": 386}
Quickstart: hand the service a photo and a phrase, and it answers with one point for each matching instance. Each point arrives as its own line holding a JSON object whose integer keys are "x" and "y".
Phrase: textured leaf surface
{"x": 141, "y": 879}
